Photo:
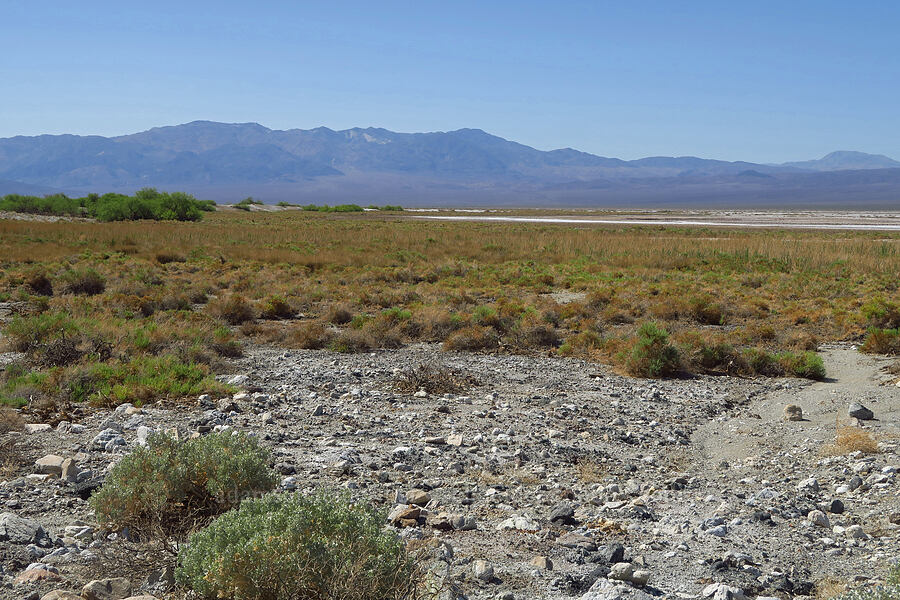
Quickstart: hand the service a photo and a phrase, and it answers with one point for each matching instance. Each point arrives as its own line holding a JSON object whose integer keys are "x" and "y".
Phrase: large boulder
{"x": 18, "y": 530}
{"x": 117, "y": 588}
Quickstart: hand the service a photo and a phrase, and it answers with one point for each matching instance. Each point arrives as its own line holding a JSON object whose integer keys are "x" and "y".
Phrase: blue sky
{"x": 761, "y": 81}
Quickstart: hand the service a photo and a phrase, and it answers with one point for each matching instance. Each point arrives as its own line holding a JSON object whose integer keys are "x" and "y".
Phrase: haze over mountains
{"x": 227, "y": 162}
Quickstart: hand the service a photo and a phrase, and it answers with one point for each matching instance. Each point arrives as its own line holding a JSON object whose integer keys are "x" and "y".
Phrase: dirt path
{"x": 758, "y": 428}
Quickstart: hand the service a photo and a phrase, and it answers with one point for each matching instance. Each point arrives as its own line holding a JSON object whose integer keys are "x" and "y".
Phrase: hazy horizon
{"x": 762, "y": 83}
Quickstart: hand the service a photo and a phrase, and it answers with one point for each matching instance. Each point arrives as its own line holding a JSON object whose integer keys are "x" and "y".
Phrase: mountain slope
{"x": 226, "y": 161}
{"x": 846, "y": 160}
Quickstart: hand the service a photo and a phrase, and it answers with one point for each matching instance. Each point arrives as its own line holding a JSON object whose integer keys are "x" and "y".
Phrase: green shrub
{"x": 807, "y": 365}
{"x": 168, "y": 488}
{"x": 882, "y": 341}
{"x": 140, "y": 380}
{"x": 147, "y": 203}
{"x": 763, "y": 363}
{"x": 290, "y": 547}
{"x": 652, "y": 354}
{"x": 26, "y": 334}
{"x": 881, "y": 313}
{"x": 276, "y": 307}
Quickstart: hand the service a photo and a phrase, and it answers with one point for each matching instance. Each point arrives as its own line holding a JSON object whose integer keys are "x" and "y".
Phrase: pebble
{"x": 483, "y": 571}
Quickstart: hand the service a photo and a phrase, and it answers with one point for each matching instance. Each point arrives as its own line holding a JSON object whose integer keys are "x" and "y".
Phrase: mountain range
{"x": 227, "y": 162}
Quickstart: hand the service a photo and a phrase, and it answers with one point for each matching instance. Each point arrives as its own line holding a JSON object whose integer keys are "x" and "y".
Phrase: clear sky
{"x": 762, "y": 81}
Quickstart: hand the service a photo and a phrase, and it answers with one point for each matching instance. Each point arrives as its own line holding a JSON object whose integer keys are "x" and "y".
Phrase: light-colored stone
{"x": 37, "y": 427}
{"x": 69, "y": 470}
{"x": 792, "y": 412}
{"x": 520, "y": 523}
{"x": 483, "y": 571}
{"x": 621, "y": 572}
{"x": 542, "y": 562}
{"x": 818, "y": 518}
{"x": 61, "y": 595}
{"x": 50, "y": 464}
{"x": 117, "y": 588}
{"x": 455, "y": 439}
{"x": 417, "y": 496}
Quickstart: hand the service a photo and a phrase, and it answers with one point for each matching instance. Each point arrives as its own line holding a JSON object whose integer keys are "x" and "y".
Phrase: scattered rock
{"x": 49, "y": 465}
{"x": 622, "y": 571}
{"x": 520, "y": 523}
{"x": 17, "y": 530}
{"x": 37, "y": 427}
{"x": 417, "y": 496}
{"x": 61, "y": 595}
{"x": 542, "y": 562}
{"x": 792, "y": 412}
{"x": 860, "y": 412}
{"x": 818, "y": 518}
{"x": 117, "y": 588}
{"x": 483, "y": 571}
{"x": 563, "y": 513}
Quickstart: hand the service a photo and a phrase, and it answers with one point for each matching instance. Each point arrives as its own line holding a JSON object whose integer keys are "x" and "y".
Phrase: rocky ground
{"x": 545, "y": 478}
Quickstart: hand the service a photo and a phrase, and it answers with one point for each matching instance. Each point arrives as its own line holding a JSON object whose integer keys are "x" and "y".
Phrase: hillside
{"x": 226, "y": 162}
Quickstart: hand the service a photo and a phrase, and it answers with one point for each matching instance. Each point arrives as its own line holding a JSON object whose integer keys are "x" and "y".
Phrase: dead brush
{"x": 312, "y": 335}
{"x": 830, "y": 587}
{"x": 434, "y": 379}
{"x": 851, "y": 438}
{"x": 10, "y": 420}
{"x": 10, "y": 458}
{"x": 591, "y": 471}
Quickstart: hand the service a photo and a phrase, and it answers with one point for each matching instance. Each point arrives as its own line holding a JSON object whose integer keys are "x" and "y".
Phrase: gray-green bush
{"x": 291, "y": 547}
{"x": 170, "y": 487}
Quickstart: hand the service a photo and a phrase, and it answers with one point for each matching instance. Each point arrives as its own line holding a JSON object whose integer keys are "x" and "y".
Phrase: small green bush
{"x": 168, "y": 488}
{"x": 652, "y": 354}
{"x": 276, "y": 307}
{"x": 807, "y": 365}
{"x": 27, "y": 334}
{"x": 881, "y": 313}
{"x": 763, "y": 363}
{"x": 290, "y": 547}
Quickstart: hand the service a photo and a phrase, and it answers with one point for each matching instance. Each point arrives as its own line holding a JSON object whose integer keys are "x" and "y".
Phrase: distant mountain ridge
{"x": 226, "y": 160}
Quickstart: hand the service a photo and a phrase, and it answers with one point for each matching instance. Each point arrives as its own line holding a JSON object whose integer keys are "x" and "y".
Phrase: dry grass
{"x": 829, "y": 587}
{"x": 10, "y": 420}
{"x": 850, "y": 438}
{"x": 366, "y": 281}
{"x": 434, "y": 379}
{"x": 589, "y": 471}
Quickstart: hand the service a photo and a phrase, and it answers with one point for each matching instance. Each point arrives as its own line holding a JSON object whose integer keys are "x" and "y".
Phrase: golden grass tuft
{"x": 850, "y": 438}
{"x": 829, "y": 587}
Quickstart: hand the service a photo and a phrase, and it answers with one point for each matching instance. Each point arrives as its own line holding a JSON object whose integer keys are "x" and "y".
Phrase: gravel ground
{"x": 565, "y": 470}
